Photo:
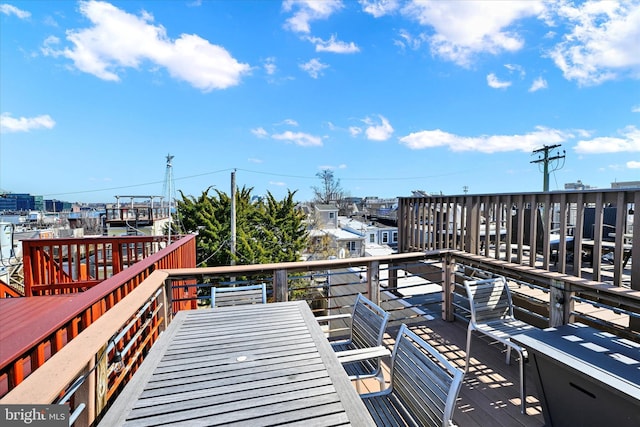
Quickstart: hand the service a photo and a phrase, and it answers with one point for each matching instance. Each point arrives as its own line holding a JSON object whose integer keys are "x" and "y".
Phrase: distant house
{"x": 326, "y": 216}
{"x": 326, "y": 234}
{"x": 372, "y": 232}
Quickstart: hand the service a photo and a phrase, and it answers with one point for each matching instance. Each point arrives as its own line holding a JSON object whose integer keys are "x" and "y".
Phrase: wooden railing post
{"x": 373, "y": 281}
{"x": 166, "y": 300}
{"x": 101, "y": 382}
{"x": 560, "y": 303}
{"x": 280, "y": 286}
{"x": 634, "y": 322}
{"x": 448, "y": 287}
{"x": 87, "y": 394}
{"x": 392, "y": 282}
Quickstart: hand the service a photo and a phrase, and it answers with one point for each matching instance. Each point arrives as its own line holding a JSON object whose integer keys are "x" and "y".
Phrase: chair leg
{"x": 508, "y": 355}
{"x": 523, "y": 378}
{"x": 466, "y": 364}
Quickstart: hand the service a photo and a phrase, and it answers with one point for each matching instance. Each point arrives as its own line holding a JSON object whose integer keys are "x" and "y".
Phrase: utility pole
{"x": 233, "y": 217}
{"x": 546, "y": 160}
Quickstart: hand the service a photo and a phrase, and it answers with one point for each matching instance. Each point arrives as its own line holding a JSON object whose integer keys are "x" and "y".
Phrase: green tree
{"x": 267, "y": 230}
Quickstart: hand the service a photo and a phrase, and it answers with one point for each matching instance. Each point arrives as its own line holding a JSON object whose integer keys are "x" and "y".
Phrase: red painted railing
{"x": 37, "y": 326}
{"x": 62, "y": 266}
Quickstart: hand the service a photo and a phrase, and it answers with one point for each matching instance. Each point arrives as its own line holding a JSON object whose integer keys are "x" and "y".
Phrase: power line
{"x": 554, "y": 161}
{"x": 311, "y": 178}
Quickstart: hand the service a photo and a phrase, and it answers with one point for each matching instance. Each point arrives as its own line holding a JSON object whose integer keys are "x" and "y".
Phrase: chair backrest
{"x": 489, "y": 299}
{"x": 238, "y": 295}
{"x": 423, "y": 381}
{"x": 368, "y": 323}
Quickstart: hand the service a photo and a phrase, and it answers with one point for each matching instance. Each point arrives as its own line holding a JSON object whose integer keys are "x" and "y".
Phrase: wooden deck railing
{"x": 35, "y": 338}
{"x": 141, "y": 315}
{"x": 62, "y": 266}
{"x": 566, "y": 231}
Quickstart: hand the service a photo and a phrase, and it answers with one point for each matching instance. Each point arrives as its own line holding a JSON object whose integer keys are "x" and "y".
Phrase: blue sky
{"x": 392, "y": 96}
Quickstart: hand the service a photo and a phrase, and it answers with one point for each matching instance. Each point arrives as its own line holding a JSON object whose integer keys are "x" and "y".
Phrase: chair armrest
{"x": 333, "y": 317}
{"x": 358, "y": 354}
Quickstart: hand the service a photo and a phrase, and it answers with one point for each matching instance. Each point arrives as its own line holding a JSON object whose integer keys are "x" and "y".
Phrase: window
{"x": 351, "y": 246}
{"x": 332, "y": 215}
{"x": 385, "y": 237}
{"x": 394, "y": 239}
{"x": 372, "y": 238}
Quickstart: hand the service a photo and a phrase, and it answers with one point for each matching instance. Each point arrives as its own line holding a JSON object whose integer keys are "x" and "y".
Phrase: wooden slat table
{"x": 254, "y": 365}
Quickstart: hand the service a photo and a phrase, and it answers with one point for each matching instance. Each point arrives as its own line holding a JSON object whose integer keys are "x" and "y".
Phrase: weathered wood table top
{"x": 251, "y": 365}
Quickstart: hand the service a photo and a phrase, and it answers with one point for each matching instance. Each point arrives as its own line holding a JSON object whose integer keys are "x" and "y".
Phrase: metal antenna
{"x": 554, "y": 161}
{"x": 168, "y": 190}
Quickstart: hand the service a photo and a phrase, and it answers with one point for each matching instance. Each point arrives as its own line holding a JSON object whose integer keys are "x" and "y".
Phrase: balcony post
{"x": 373, "y": 281}
{"x": 560, "y": 303}
{"x": 448, "y": 287}
{"x": 86, "y": 394}
{"x": 280, "y": 286}
{"x": 166, "y": 301}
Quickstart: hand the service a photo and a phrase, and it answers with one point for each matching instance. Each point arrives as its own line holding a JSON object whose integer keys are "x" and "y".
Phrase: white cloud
{"x": 278, "y": 183}
{"x": 260, "y": 132}
{"x": 314, "y": 67}
{"x": 334, "y": 46}
{"x": 485, "y": 143}
{"x": 628, "y": 141}
{"x": 495, "y": 83}
{"x": 355, "y": 130}
{"x": 8, "y": 9}
{"x": 635, "y": 109}
{"x": 10, "y": 124}
{"x": 306, "y": 11}
{"x": 270, "y": 66}
{"x": 299, "y": 138}
{"x": 290, "y": 122}
{"x": 633, "y": 165}
{"x": 379, "y": 8}
{"x": 331, "y": 167}
{"x": 254, "y": 160}
{"x": 409, "y": 41}
{"x": 119, "y": 40}
{"x": 538, "y": 84}
{"x": 463, "y": 29}
{"x": 378, "y": 132}
{"x": 603, "y": 42}
{"x": 515, "y": 68}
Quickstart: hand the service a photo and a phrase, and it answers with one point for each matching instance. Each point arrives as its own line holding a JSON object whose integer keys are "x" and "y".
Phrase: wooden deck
{"x": 490, "y": 391}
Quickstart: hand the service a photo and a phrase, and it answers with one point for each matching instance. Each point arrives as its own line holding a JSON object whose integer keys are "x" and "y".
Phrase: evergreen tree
{"x": 267, "y": 230}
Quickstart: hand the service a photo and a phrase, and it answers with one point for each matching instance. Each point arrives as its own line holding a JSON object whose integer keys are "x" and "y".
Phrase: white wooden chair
{"x": 424, "y": 386}
{"x": 368, "y": 323}
{"x": 238, "y": 295}
{"x": 492, "y": 315}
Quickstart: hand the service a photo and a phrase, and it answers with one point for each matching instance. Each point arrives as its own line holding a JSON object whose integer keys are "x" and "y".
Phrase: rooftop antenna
{"x": 168, "y": 181}
{"x": 546, "y": 160}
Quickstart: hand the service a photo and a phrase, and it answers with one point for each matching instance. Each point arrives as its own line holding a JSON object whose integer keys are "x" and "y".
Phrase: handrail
{"x": 563, "y": 291}
{"x": 85, "y": 350}
{"x": 582, "y": 220}
{"x": 82, "y": 309}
